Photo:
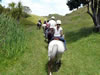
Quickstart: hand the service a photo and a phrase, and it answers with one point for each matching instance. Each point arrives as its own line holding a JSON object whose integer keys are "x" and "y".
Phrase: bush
{"x": 12, "y": 37}
{"x": 25, "y": 15}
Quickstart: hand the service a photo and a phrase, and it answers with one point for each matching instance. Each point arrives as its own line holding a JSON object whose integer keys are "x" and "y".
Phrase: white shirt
{"x": 52, "y": 23}
{"x": 39, "y": 23}
{"x": 43, "y": 25}
{"x": 57, "y": 32}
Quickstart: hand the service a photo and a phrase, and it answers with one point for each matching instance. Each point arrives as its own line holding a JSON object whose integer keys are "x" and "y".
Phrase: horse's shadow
{"x": 55, "y": 68}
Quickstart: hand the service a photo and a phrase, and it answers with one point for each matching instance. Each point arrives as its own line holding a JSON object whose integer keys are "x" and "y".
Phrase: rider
{"x": 44, "y": 25}
{"x": 39, "y": 24}
{"x": 52, "y": 22}
{"x": 47, "y": 25}
{"x": 47, "y": 28}
{"x": 58, "y": 32}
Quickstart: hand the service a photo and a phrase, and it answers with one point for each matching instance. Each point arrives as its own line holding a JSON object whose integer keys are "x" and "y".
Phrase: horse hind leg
{"x": 58, "y": 61}
{"x": 50, "y": 66}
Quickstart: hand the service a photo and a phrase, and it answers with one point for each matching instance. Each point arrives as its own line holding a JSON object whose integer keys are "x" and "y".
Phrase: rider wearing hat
{"x": 52, "y": 22}
{"x": 58, "y": 32}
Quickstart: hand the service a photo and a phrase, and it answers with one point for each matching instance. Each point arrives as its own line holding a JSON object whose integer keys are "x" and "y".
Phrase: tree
{"x": 1, "y": 8}
{"x": 16, "y": 12}
{"x": 12, "y": 5}
{"x": 12, "y": 9}
{"x": 73, "y": 4}
{"x": 26, "y": 9}
{"x": 19, "y": 10}
{"x": 93, "y": 9}
{"x": 7, "y": 11}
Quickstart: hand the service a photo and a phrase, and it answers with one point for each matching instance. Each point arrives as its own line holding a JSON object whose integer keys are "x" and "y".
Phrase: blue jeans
{"x": 62, "y": 39}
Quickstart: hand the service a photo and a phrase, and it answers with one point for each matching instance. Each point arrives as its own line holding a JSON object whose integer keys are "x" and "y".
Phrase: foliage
{"x": 17, "y": 11}
{"x": 26, "y": 9}
{"x": 25, "y": 15}
{"x": 1, "y": 8}
{"x": 12, "y": 5}
{"x": 12, "y": 37}
{"x": 7, "y": 11}
{"x": 72, "y": 4}
{"x": 95, "y": 9}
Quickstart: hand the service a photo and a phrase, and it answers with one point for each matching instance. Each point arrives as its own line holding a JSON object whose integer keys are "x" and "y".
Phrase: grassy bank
{"x": 12, "y": 38}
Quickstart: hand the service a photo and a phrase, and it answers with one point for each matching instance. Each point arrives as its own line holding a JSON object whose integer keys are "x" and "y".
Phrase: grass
{"x": 29, "y": 63}
{"x": 31, "y": 20}
{"x": 81, "y": 58}
{"x": 11, "y": 37}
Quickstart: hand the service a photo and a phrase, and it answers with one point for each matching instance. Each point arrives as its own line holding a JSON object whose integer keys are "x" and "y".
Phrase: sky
{"x": 43, "y": 7}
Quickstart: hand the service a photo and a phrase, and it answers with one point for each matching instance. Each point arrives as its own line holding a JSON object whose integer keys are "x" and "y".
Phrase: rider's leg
{"x": 47, "y": 33}
{"x": 62, "y": 39}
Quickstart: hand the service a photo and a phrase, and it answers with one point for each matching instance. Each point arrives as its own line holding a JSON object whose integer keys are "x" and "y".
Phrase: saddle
{"x": 57, "y": 38}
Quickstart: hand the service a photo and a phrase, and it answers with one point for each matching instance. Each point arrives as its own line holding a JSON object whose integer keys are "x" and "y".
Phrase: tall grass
{"x": 12, "y": 37}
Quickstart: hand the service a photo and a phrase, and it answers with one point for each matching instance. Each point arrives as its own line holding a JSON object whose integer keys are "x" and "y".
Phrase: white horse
{"x": 55, "y": 50}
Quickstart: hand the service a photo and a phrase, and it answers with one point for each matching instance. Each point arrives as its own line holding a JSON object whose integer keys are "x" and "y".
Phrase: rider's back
{"x": 52, "y": 23}
{"x": 57, "y": 32}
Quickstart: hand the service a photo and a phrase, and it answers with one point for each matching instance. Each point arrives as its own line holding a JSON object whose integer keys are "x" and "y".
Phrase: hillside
{"x": 81, "y": 58}
{"x": 31, "y": 20}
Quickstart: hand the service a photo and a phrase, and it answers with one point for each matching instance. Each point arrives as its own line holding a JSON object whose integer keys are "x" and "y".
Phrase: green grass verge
{"x": 12, "y": 38}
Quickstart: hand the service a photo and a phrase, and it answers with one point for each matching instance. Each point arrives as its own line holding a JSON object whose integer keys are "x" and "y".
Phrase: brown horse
{"x": 50, "y": 34}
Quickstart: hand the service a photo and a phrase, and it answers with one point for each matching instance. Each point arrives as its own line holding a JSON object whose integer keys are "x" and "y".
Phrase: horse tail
{"x": 54, "y": 50}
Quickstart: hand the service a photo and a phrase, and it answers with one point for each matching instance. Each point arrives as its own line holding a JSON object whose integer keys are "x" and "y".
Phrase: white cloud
{"x": 43, "y": 7}
{"x": 47, "y": 1}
